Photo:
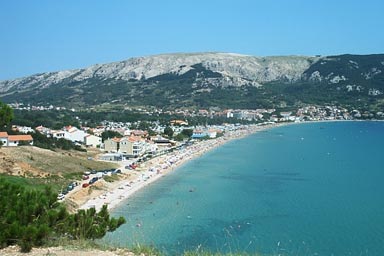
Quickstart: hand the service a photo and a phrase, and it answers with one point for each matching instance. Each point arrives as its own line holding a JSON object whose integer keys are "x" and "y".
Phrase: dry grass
{"x": 37, "y": 162}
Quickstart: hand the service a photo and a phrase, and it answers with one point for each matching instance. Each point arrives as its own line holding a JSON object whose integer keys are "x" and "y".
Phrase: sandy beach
{"x": 113, "y": 193}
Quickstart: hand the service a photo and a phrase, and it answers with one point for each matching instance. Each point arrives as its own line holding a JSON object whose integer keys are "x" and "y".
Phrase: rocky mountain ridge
{"x": 178, "y": 77}
{"x": 258, "y": 69}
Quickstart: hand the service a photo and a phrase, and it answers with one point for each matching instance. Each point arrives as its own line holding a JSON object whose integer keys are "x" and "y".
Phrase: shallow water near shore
{"x": 308, "y": 189}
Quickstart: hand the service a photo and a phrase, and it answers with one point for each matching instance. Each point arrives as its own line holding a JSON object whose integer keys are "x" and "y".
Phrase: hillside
{"x": 44, "y": 166}
{"x": 209, "y": 80}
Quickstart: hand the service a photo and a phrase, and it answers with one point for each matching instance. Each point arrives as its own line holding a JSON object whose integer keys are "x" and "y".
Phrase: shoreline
{"x": 160, "y": 166}
{"x": 113, "y": 193}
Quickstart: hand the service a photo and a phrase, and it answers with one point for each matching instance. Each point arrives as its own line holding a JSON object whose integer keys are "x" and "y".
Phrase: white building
{"x": 212, "y": 134}
{"x": 61, "y": 135}
{"x": 92, "y": 141}
{"x": 4, "y": 138}
{"x": 132, "y": 146}
{"x": 15, "y": 140}
{"x": 77, "y": 135}
{"x": 23, "y": 129}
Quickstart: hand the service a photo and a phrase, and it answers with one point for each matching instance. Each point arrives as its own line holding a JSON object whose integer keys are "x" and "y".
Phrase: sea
{"x": 300, "y": 189}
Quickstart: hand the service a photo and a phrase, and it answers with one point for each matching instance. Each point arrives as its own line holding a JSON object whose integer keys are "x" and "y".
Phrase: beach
{"x": 113, "y": 193}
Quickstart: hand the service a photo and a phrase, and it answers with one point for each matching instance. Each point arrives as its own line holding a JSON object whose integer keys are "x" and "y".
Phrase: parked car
{"x": 85, "y": 177}
{"x": 132, "y": 166}
{"x": 93, "y": 180}
{"x": 85, "y": 185}
{"x": 93, "y": 172}
{"x": 60, "y": 197}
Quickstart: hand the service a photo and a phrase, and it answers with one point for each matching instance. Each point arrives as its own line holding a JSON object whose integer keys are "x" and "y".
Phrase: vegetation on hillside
{"x": 347, "y": 80}
{"x": 184, "y": 135}
{"x": 29, "y": 217}
{"x": 53, "y": 119}
{"x": 6, "y": 115}
{"x": 110, "y": 134}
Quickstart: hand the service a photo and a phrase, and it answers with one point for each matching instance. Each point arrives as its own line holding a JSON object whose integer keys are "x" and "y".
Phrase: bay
{"x": 307, "y": 189}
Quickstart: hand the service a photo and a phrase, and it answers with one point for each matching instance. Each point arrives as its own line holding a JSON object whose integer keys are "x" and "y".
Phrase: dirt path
{"x": 60, "y": 251}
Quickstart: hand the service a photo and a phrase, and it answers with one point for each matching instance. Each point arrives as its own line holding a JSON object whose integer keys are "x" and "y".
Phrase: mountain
{"x": 209, "y": 79}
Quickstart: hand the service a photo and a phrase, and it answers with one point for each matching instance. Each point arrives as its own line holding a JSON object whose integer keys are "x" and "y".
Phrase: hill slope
{"x": 208, "y": 79}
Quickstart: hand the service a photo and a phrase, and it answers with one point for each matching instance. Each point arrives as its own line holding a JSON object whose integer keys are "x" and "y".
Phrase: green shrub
{"x": 30, "y": 217}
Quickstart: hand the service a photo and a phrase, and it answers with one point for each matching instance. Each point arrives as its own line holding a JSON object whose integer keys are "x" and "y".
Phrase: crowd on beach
{"x": 155, "y": 168}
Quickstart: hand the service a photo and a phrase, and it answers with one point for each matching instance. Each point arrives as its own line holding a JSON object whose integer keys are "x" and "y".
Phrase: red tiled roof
{"x": 139, "y": 132}
{"x": 20, "y": 138}
{"x": 115, "y": 139}
{"x": 133, "y": 139}
{"x": 3, "y": 134}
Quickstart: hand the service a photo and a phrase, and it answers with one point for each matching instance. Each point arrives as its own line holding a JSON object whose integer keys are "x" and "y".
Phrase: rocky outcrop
{"x": 235, "y": 67}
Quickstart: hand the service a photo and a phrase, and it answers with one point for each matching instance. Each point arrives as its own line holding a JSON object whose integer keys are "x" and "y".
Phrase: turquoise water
{"x": 308, "y": 189}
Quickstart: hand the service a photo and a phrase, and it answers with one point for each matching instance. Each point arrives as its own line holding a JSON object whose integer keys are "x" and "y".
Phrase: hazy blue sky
{"x": 49, "y": 35}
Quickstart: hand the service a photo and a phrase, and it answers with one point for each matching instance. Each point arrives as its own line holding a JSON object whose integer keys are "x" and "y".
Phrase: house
{"x": 203, "y": 112}
{"x": 92, "y": 141}
{"x": 75, "y": 135}
{"x": 132, "y": 146}
{"x": 212, "y": 133}
{"x": 152, "y": 148}
{"x": 69, "y": 133}
{"x": 274, "y": 118}
{"x": 139, "y": 133}
{"x": 22, "y": 129}
{"x": 78, "y": 136}
{"x": 127, "y": 132}
{"x": 15, "y": 140}
{"x": 98, "y": 130}
{"x": 3, "y": 138}
{"x": 43, "y": 130}
{"x": 61, "y": 135}
{"x": 228, "y": 113}
{"x": 126, "y": 146}
{"x": 112, "y": 145}
{"x": 285, "y": 116}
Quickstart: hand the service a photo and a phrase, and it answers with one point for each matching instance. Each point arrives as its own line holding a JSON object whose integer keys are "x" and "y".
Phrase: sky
{"x": 52, "y": 35}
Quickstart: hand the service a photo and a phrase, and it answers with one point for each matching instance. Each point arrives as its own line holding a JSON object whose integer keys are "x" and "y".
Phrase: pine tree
{"x": 6, "y": 115}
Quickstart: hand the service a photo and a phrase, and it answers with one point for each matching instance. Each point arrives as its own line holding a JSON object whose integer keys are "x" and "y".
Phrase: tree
{"x": 110, "y": 134}
{"x": 180, "y": 137}
{"x": 187, "y": 132}
{"x": 184, "y": 134}
{"x": 144, "y": 126}
{"x": 6, "y": 115}
{"x": 168, "y": 131}
{"x": 31, "y": 217}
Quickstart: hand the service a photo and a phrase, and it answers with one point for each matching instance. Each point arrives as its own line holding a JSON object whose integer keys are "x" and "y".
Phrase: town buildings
{"x": 92, "y": 141}
{"x": 15, "y": 140}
